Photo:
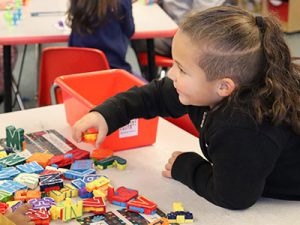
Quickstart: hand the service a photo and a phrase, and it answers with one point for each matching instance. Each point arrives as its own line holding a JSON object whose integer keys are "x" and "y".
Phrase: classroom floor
{"x": 28, "y": 86}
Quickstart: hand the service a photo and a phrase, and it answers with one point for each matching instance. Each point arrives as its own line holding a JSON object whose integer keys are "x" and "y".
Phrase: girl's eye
{"x": 181, "y": 70}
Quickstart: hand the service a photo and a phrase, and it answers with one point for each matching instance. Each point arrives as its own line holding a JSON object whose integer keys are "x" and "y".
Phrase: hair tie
{"x": 259, "y": 20}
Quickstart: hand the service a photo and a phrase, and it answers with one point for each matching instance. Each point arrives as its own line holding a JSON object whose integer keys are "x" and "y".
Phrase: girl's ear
{"x": 225, "y": 87}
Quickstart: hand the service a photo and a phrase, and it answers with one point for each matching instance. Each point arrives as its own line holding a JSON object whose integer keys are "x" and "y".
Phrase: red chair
{"x": 160, "y": 61}
{"x": 57, "y": 61}
{"x": 184, "y": 123}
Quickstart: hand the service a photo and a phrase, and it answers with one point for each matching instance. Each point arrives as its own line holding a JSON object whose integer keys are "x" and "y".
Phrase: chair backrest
{"x": 58, "y": 61}
{"x": 160, "y": 61}
{"x": 184, "y": 123}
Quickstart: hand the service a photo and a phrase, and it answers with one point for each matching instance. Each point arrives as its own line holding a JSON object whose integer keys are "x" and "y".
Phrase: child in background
{"x": 18, "y": 217}
{"x": 234, "y": 75}
{"x": 102, "y": 24}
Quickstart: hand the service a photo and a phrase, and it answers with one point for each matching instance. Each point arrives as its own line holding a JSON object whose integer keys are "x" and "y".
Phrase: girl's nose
{"x": 171, "y": 74}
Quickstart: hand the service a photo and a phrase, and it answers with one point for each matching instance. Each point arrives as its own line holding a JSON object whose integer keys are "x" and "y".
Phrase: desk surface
{"x": 150, "y": 21}
{"x": 144, "y": 173}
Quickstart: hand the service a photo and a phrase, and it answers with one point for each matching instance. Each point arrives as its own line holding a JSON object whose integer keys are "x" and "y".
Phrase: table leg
{"x": 151, "y": 60}
{"x": 7, "y": 78}
{"x": 38, "y": 60}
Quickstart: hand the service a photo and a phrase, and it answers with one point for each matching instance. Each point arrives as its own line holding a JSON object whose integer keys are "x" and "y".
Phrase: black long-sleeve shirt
{"x": 244, "y": 160}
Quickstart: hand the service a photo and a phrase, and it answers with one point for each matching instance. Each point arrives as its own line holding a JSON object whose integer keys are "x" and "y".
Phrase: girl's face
{"x": 189, "y": 79}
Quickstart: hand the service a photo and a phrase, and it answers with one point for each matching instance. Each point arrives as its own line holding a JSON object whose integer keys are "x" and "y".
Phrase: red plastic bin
{"x": 82, "y": 92}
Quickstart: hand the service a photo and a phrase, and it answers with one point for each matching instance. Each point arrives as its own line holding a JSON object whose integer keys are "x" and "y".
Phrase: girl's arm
{"x": 127, "y": 21}
{"x": 241, "y": 160}
{"x": 158, "y": 98}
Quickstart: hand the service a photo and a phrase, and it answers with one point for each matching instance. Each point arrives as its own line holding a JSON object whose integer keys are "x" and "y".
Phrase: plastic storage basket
{"x": 82, "y": 92}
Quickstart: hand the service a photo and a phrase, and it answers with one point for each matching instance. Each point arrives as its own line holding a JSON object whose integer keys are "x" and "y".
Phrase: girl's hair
{"x": 252, "y": 52}
{"x": 84, "y": 16}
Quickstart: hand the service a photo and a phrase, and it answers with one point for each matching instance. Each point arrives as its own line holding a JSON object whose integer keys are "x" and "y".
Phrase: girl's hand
{"x": 169, "y": 165}
{"x": 90, "y": 120}
{"x": 19, "y": 217}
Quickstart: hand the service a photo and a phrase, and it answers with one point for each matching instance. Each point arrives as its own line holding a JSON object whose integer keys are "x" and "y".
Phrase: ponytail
{"x": 279, "y": 98}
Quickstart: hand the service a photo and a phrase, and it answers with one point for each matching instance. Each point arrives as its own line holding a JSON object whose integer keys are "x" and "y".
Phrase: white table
{"x": 144, "y": 173}
{"x": 150, "y": 22}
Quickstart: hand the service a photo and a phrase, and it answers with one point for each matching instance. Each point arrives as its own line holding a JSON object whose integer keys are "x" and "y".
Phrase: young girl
{"x": 234, "y": 75}
{"x": 103, "y": 24}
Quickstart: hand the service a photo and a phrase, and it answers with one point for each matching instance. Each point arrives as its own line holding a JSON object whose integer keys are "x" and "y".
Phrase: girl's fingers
{"x": 77, "y": 131}
{"x": 91, "y": 120}
{"x": 168, "y": 166}
{"x": 176, "y": 154}
{"x": 174, "y": 157}
{"x": 79, "y": 128}
{"x": 100, "y": 139}
{"x": 171, "y": 160}
{"x": 102, "y": 132}
{"x": 8, "y": 211}
{"x": 26, "y": 219}
{"x": 23, "y": 208}
{"x": 166, "y": 173}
